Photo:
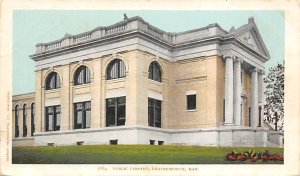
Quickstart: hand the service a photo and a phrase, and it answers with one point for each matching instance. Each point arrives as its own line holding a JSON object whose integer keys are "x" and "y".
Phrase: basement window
{"x": 79, "y": 143}
{"x": 152, "y": 142}
{"x": 51, "y": 144}
{"x": 160, "y": 142}
{"x": 113, "y": 142}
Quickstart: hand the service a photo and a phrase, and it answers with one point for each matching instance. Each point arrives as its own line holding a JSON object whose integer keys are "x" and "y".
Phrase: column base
{"x": 228, "y": 125}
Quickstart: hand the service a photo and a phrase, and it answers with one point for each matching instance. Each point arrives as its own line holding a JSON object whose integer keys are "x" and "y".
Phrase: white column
{"x": 237, "y": 89}
{"x": 254, "y": 99}
{"x": 229, "y": 91}
{"x": 261, "y": 97}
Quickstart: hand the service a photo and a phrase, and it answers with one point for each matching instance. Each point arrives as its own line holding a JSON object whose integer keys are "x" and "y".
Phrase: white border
{"x": 292, "y": 85}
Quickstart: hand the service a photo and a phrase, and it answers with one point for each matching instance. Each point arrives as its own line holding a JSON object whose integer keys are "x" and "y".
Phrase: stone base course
{"x": 222, "y": 136}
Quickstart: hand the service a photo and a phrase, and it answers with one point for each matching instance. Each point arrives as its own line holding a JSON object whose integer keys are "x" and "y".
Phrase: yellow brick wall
{"x": 204, "y": 75}
{"x": 247, "y": 88}
{"x": 21, "y": 100}
{"x": 200, "y": 75}
{"x": 220, "y": 88}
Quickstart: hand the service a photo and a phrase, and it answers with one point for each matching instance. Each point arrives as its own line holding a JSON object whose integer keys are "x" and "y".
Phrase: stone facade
{"x": 222, "y": 70}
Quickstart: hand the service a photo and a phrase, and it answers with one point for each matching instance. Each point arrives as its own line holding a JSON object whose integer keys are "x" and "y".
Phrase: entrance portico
{"x": 234, "y": 91}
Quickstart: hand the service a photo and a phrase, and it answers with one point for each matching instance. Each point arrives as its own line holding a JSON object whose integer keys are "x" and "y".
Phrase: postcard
{"x": 149, "y": 88}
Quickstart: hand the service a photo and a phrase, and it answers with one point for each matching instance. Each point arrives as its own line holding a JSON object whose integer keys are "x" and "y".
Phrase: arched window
{"x": 32, "y": 119}
{"x": 116, "y": 69}
{"x": 24, "y": 120}
{"x": 17, "y": 121}
{"x": 154, "y": 71}
{"x": 82, "y": 75}
{"x": 52, "y": 81}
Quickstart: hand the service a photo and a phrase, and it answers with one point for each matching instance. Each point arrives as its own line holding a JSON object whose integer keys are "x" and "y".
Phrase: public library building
{"x": 133, "y": 83}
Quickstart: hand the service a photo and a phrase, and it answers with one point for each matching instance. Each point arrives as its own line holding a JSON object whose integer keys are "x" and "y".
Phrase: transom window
{"x": 191, "y": 102}
{"x": 115, "y": 111}
{"x": 17, "y": 121}
{"x": 154, "y": 71}
{"x": 53, "y": 118}
{"x": 82, "y": 113}
{"x": 52, "y": 81}
{"x": 154, "y": 112}
{"x": 82, "y": 75}
{"x": 116, "y": 69}
{"x": 24, "y": 120}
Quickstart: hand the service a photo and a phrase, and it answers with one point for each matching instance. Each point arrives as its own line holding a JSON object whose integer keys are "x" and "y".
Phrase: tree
{"x": 274, "y": 107}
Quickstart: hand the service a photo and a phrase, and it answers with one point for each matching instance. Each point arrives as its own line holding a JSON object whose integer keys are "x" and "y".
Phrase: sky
{"x": 38, "y": 26}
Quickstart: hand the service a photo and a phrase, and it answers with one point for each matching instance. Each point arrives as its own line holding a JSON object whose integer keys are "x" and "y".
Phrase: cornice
{"x": 23, "y": 96}
{"x": 137, "y": 28}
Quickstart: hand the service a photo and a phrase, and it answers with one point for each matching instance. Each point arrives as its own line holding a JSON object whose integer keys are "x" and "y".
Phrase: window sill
{"x": 82, "y": 85}
{"x": 109, "y": 81}
{"x": 155, "y": 82}
{"x": 52, "y": 90}
{"x": 191, "y": 110}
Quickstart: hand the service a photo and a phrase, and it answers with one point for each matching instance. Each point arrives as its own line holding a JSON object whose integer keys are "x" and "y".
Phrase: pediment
{"x": 250, "y": 36}
{"x": 247, "y": 38}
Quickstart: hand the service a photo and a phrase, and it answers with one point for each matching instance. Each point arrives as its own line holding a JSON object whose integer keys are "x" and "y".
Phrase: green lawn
{"x": 131, "y": 154}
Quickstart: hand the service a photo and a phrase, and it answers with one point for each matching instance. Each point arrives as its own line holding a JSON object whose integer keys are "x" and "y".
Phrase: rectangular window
{"x": 241, "y": 77}
{"x": 113, "y": 142}
{"x": 160, "y": 142}
{"x": 115, "y": 111}
{"x": 80, "y": 143}
{"x": 191, "y": 102}
{"x": 32, "y": 119}
{"x": 152, "y": 142}
{"x": 154, "y": 112}
{"x": 224, "y": 110}
{"x": 82, "y": 113}
{"x": 249, "y": 116}
{"x": 88, "y": 118}
{"x": 53, "y": 118}
{"x": 50, "y": 144}
{"x": 241, "y": 116}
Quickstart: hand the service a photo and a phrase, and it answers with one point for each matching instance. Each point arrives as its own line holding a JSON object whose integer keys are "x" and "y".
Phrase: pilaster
{"x": 38, "y": 102}
{"x": 65, "y": 98}
{"x": 131, "y": 90}
{"x": 96, "y": 94}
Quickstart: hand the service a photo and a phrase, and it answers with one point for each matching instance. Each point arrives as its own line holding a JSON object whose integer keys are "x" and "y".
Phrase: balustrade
{"x": 98, "y": 33}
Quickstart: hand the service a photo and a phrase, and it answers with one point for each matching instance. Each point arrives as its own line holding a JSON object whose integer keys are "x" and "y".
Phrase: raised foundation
{"x": 29, "y": 141}
{"x": 275, "y": 139}
{"x": 227, "y": 136}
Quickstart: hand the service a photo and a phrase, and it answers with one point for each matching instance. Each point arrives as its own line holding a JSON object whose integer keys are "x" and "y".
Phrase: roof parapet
{"x": 130, "y": 24}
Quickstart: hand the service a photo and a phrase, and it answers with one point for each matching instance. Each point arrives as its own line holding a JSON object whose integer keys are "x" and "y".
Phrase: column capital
{"x": 227, "y": 57}
{"x": 238, "y": 59}
{"x": 253, "y": 70}
{"x": 261, "y": 72}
